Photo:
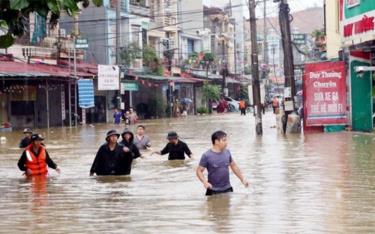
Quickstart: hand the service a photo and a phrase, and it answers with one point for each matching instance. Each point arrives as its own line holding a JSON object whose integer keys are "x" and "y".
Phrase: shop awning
{"x": 19, "y": 69}
{"x": 175, "y": 79}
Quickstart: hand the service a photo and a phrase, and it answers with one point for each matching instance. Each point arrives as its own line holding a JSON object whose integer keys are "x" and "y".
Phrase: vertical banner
{"x": 86, "y": 93}
{"x": 325, "y": 94}
{"x": 63, "y": 106}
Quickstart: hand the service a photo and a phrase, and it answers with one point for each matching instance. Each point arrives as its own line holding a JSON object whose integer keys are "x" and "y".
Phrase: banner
{"x": 357, "y": 21}
{"x": 324, "y": 89}
{"x": 86, "y": 93}
{"x": 108, "y": 77}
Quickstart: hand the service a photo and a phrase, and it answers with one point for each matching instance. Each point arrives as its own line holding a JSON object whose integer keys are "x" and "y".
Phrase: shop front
{"x": 357, "y": 29}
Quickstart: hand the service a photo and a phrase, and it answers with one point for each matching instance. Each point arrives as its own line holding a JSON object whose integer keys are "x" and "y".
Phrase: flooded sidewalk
{"x": 317, "y": 183}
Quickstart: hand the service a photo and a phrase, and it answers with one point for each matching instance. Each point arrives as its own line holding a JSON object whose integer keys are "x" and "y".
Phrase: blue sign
{"x": 86, "y": 93}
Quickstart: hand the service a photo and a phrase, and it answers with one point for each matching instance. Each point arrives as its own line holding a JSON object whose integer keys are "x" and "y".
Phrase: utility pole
{"x": 284, "y": 20}
{"x": 118, "y": 45}
{"x": 235, "y": 48}
{"x": 255, "y": 69}
{"x": 118, "y": 28}
{"x": 265, "y": 45}
{"x": 224, "y": 67}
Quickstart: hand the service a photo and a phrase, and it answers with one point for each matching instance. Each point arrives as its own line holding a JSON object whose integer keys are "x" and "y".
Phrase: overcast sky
{"x": 295, "y": 5}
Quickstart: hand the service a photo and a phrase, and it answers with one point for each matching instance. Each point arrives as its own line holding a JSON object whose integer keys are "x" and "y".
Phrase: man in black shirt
{"x": 176, "y": 148}
{"x": 112, "y": 158}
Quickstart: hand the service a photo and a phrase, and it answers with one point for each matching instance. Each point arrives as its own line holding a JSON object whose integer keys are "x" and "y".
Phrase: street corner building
{"x": 350, "y": 28}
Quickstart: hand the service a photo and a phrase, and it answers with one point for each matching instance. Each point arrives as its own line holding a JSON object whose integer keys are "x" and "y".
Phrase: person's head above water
{"x": 141, "y": 130}
{"x": 112, "y": 136}
{"x": 172, "y": 137}
{"x": 219, "y": 140}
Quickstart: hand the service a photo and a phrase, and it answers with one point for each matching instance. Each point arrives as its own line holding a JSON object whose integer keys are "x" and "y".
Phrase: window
{"x": 144, "y": 37}
{"x": 190, "y": 45}
{"x": 135, "y": 34}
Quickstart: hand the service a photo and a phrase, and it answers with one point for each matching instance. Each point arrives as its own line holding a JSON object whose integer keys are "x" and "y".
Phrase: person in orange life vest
{"x": 242, "y": 106}
{"x": 35, "y": 158}
{"x": 275, "y": 104}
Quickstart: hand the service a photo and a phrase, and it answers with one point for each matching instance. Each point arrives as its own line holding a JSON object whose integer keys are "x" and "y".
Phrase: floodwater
{"x": 317, "y": 183}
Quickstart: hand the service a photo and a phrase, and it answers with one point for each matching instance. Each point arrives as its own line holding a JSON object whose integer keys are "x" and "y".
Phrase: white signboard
{"x": 250, "y": 92}
{"x": 108, "y": 77}
{"x": 262, "y": 93}
{"x": 287, "y": 92}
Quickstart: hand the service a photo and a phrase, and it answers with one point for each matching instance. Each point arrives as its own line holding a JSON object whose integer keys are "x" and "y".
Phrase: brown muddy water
{"x": 317, "y": 183}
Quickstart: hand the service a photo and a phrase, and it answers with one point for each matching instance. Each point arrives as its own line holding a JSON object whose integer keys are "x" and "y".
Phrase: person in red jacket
{"x": 35, "y": 159}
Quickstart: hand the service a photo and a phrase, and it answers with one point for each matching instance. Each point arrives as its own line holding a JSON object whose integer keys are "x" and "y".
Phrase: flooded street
{"x": 318, "y": 183}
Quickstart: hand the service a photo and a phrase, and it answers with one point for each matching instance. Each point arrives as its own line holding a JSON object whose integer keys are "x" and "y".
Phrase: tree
{"x": 152, "y": 61}
{"x": 247, "y": 70}
{"x": 130, "y": 53}
{"x": 320, "y": 39}
{"x": 14, "y": 14}
{"x": 210, "y": 93}
{"x": 207, "y": 60}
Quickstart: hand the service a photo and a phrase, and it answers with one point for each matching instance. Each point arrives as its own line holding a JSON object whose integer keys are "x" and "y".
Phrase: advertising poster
{"x": 325, "y": 94}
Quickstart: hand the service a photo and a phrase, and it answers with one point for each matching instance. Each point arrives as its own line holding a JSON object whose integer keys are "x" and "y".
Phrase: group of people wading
{"x": 115, "y": 158}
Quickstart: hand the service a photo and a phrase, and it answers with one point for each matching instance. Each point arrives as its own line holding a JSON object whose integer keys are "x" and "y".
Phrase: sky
{"x": 295, "y": 5}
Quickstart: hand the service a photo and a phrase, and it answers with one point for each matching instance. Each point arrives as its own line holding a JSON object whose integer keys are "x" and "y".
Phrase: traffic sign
{"x": 299, "y": 38}
{"x": 81, "y": 43}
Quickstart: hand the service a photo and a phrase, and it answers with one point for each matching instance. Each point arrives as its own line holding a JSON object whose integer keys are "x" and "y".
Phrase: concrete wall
{"x": 332, "y": 24}
{"x": 191, "y": 13}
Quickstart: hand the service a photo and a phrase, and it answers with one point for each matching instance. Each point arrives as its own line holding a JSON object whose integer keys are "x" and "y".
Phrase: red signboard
{"x": 325, "y": 94}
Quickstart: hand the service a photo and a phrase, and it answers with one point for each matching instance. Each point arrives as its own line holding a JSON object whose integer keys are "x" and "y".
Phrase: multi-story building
{"x": 139, "y": 20}
{"x": 163, "y": 31}
{"x": 222, "y": 37}
{"x": 235, "y": 10}
{"x": 191, "y": 25}
{"x": 98, "y": 25}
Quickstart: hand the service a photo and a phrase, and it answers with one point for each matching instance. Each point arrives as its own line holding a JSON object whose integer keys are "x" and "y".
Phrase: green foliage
{"x": 317, "y": 34}
{"x": 202, "y": 110}
{"x": 211, "y": 91}
{"x": 209, "y": 57}
{"x": 129, "y": 53}
{"x": 156, "y": 105}
{"x": 247, "y": 70}
{"x": 244, "y": 93}
{"x": 6, "y": 41}
{"x": 13, "y": 14}
{"x": 18, "y": 4}
{"x": 152, "y": 61}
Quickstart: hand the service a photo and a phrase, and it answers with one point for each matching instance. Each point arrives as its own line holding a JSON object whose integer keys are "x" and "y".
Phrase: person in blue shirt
{"x": 217, "y": 161}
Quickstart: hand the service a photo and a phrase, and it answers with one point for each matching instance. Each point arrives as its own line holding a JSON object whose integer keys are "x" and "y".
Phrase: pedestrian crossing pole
{"x": 255, "y": 69}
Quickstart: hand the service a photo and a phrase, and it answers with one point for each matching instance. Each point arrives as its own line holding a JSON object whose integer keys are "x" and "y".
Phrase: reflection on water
{"x": 316, "y": 183}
